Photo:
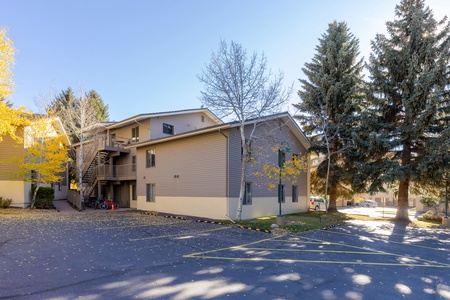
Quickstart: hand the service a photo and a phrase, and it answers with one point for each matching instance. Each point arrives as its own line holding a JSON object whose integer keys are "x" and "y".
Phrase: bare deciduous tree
{"x": 240, "y": 88}
{"x": 81, "y": 121}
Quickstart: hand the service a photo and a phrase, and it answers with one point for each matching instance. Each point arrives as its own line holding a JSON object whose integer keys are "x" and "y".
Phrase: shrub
{"x": 44, "y": 197}
{"x": 432, "y": 215}
{"x": 5, "y": 202}
{"x": 429, "y": 201}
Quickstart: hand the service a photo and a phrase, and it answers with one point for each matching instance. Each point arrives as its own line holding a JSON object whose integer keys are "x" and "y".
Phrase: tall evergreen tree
{"x": 329, "y": 104}
{"x": 101, "y": 109}
{"x": 67, "y": 100}
{"x": 409, "y": 72}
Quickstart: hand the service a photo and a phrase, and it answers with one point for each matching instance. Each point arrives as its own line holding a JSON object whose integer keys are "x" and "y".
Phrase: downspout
{"x": 148, "y": 128}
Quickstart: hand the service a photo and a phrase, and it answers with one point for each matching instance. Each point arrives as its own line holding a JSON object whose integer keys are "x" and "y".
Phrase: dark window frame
{"x": 133, "y": 192}
{"x": 168, "y": 129}
{"x": 294, "y": 193}
{"x": 133, "y": 163}
{"x": 247, "y": 200}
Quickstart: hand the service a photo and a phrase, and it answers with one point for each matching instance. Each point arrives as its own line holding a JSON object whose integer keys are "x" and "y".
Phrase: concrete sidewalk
{"x": 63, "y": 206}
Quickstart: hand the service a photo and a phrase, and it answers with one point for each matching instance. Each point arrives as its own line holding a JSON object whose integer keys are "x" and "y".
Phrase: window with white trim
{"x": 150, "y": 158}
{"x": 150, "y": 192}
{"x": 135, "y": 134}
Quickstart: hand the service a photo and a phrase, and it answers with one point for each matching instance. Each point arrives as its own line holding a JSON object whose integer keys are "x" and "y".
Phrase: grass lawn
{"x": 311, "y": 220}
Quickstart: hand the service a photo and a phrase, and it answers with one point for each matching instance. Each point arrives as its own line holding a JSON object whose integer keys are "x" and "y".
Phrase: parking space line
{"x": 286, "y": 260}
{"x": 135, "y": 226}
{"x": 381, "y": 252}
{"x": 384, "y": 240}
{"x": 369, "y": 252}
{"x": 304, "y": 240}
{"x": 232, "y": 247}
{"x": 180, "y": 234}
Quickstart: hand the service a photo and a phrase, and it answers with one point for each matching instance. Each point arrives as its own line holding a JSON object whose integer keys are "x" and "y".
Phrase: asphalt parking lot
{"x": 129, "y": 255}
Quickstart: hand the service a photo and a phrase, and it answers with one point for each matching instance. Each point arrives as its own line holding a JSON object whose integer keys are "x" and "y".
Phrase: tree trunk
{"x": 243, "y": 171}
{"x": 402, "y": 207}
{"x": 332, "y": 204}
{"x": 33, "y": 200}
{"x": 241, "y": 191}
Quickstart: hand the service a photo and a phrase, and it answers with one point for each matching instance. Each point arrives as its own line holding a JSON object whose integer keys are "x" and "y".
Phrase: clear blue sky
{"x": 143, "y": 56}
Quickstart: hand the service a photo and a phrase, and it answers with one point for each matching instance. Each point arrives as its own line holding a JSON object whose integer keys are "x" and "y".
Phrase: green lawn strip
{"x": 295, "y": 223}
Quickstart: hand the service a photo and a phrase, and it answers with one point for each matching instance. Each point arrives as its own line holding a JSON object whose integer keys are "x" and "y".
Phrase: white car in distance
{"x": 367, "y": 203}
{"x": 317, "y": 203}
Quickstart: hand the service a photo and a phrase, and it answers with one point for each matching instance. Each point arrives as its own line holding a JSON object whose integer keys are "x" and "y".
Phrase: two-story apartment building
{"x": 189, "y": 162}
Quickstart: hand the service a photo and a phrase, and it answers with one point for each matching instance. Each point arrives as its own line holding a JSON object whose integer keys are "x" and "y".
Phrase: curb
{"x": 152, "y": 213}
{"x": 210, "y": 222}
{"x": 255, "y": 229}
{"x": 239, "y": 226}
{"x": 176, "y": 217}
{"x": 334, "y": 225}
{"x": 149, "y": 213}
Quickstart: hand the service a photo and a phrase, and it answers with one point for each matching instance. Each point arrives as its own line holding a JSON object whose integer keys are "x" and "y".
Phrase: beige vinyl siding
{"x": 18, "y": 191}
{"x": 265, "y": 138}
{"x": 9, "y": 148}
{"x": 124, "y": 133}
{"x": 265, "y": 202}
{"x": 181, "y": 123}
{"x": 267, "y": 206}
{"x": 204, "y": 207}
{"x": 191, "y": 167}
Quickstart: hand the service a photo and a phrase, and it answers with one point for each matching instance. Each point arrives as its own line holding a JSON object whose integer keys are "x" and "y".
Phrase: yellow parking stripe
{"x": 233, "y": 247}
{"x": 181, "y": 234}
{"x": 366, "y": 251}
{"x": 383, "y": 252}
{"x": 135, "y": 226}
{"x": 394, "y": 242}
{"x": 316, "y": 261}
{"x": 319, "y": 251}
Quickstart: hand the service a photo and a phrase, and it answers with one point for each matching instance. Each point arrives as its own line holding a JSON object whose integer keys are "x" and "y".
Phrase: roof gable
{"x": 285, "y": 117}
{"x": 141, "y": 117}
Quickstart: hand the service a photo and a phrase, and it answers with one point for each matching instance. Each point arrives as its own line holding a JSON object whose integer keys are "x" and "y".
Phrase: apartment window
{"x": 150, "y": 158}
{"x": 248, "y": 144}
{"x": 168, "y": 129}
{"x": 295, "y": 160}
{"x": 281, "y": 158}
{"x": 133, "y": 192}
{"x": 150, "y": 192}
{"x": 247, "y": 194}
{"x": 135, "y": 134}
{"x": 294, "y": 193}
{"x": 281, "y": 193}
{"x": 203, "y": 119}
{"x": 133, "y": 163}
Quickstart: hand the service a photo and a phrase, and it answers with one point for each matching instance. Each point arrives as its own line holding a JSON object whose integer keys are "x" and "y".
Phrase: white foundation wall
{"x": 206, "y": 207}
{"x": 18, "y": 191}
{"x": 267, "y": 206}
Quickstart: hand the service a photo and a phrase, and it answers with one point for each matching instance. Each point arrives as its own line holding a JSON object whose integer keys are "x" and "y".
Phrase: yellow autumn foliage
{"x": 11, "y": 120}
{"x": 46, "y": 153}
{"x": 6, "y": 62}
{"x": 270, "y": 173}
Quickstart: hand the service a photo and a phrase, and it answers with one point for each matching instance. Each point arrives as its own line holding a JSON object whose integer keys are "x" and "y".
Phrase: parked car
{"x": 367, "y": 203}
{"x": 317, "y": 203}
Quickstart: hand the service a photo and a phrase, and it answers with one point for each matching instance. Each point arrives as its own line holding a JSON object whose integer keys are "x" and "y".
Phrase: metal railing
{"x": 116, "y": 172}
